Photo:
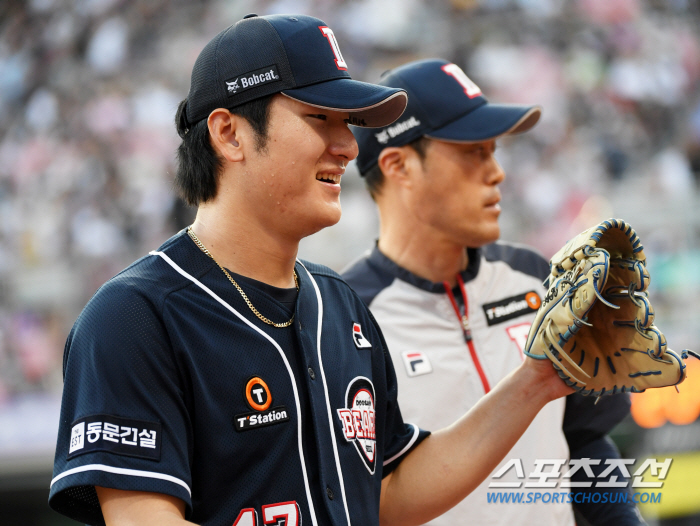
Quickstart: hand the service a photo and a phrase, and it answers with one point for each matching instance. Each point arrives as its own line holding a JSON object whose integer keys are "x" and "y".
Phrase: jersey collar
{"x": 379, "y": 260}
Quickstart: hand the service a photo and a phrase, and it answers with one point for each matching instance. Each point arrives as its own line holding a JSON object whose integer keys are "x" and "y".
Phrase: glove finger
{"x": 654, "y": 340}
{"x": 552, "y": 338}
{"x": 560, "y": 366}
{"x": 662, "y": 371}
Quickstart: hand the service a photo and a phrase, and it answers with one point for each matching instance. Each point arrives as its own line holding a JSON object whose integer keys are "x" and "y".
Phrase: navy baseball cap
{"x": 295, "y": 55}
{"x": 443, "y": 104}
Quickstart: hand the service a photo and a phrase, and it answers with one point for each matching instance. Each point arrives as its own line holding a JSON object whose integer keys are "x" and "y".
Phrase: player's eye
{"x": 319, "y": 116}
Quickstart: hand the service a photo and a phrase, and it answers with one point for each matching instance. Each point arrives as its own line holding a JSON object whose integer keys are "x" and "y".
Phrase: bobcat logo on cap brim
{"x": 253, "y": 79}
{"x": 357, "y": 419}
{"x": 232, "y": 86}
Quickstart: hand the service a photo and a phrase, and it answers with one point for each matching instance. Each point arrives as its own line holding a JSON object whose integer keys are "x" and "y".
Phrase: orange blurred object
{"x": 655, "y": 407}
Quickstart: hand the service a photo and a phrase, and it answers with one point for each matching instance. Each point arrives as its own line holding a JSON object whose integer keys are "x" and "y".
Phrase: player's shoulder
{"x": 321, "y": 271}
{"x": 128, "y": 306}
{"x": 328, "y": 277}
{"x": 518, "y": 257}
{"x": 371, "y": 273}
{"x": 148, "y": 281}
{"x": 333, "y": 283}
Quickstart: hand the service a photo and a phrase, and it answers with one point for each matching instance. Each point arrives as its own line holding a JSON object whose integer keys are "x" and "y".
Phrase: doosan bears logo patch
{"x": 358, "y": 420}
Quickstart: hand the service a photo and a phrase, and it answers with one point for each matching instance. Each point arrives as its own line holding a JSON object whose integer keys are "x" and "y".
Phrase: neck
{"x": 421, "y": 250}
{"x": 240, "y": 244}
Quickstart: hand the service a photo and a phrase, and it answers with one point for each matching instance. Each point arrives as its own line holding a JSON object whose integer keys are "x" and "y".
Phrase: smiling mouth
{"x": 329, "y": 178}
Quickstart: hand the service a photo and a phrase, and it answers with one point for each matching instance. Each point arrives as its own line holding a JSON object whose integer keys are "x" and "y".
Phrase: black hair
{"x": 374, "y": 178}
{"x": 198, "y": 164}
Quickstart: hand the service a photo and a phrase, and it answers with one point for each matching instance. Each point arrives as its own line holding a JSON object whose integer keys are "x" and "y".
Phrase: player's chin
{"x": 490, "y": 232}
{"x": 324, "y": 216}
{"x": 490, "y": 226}
{"x": 333, "y": 216}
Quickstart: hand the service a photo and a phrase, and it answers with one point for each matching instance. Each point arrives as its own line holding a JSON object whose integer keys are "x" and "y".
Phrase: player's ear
{"x": 229, "y": 134}
{"x": 392, "y": 162}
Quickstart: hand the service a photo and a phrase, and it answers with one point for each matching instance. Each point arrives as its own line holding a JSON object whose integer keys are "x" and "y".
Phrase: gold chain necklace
{"x": 245, "y": 297}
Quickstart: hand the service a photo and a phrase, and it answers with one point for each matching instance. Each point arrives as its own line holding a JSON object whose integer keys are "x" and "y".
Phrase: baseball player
{"x": 455, "y": 306}
{"x": 219, "y": 380}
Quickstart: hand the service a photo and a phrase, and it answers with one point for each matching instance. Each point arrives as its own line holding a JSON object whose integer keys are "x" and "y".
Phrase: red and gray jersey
{"x": 450, "y": 346}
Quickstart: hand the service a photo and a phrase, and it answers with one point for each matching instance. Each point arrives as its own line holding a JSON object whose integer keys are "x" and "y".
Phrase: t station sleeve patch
{"x": 357, "y": 420}
{"x": 123, "y": 436}
{"x": 257, "y": 394}
{"x": 259, "y": 398}
{"x": 248, "y": 421}
{"x": 512, "y": 307}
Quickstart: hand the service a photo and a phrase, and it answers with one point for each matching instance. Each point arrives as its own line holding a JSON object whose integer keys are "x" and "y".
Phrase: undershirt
{"x": 287, "y": 297}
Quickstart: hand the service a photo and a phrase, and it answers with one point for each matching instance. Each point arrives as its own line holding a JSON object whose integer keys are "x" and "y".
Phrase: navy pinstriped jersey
{"x": 440, "y": 379}
{"x": 172, "y": 385}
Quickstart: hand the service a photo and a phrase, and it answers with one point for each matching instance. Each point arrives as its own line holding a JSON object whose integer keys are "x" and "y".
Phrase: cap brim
{"x": 371, "y": 106}
{"x": 489, "y": 121}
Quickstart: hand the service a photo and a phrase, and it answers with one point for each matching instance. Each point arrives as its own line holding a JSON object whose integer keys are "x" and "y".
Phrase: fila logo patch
{"x": 416, "y": 363}
{"x": 396, "y": 130}
{"x": 339, "y": 61}
{"x": 357, "y": 420}
{"x": 250, "y": 80}
{"x": 512, "y": 307}
{"x": 471, "y": 89}
{"x": 259, "y": 398}
{"x": 113, "y": 434}
{"x": 360, "y": 341}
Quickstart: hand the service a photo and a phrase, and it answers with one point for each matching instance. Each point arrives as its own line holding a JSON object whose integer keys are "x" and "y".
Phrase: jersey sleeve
{"x": 586, "y": 421}
{"x": 400, "y": 437}
{"x": 613, "y": 511}
{"x": 586, "y": 425}
{"x": 123, "y": 422}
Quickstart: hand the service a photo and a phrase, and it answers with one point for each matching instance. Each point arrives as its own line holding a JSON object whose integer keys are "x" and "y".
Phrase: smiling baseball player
{"x": 221, "y": 381}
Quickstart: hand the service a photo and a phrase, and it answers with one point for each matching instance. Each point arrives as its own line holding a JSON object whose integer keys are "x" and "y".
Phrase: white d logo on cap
{"x": 471, "y": 89}
{"x": 328, "y": 33}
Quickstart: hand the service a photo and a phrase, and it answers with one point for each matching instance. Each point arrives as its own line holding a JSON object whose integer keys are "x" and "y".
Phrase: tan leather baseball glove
{"x": 596, "y": 324}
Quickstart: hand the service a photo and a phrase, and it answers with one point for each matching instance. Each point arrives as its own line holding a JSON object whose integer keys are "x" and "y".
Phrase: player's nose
{"x": 343, "y": 143}
{"x": 496, "y": 173}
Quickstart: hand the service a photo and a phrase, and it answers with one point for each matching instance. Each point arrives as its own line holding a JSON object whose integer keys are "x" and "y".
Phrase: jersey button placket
{"x": 312, "y": 374}
{"x": 329, "y": 492}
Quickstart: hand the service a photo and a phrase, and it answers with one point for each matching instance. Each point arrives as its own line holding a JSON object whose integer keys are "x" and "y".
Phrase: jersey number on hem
{"x": 289, "y": 511}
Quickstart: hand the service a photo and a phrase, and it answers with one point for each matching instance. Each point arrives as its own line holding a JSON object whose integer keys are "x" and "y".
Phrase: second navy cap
{"x": 443, "y": 104}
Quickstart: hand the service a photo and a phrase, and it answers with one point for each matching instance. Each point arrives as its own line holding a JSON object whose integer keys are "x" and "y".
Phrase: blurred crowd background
{"x": 88, "y": 92}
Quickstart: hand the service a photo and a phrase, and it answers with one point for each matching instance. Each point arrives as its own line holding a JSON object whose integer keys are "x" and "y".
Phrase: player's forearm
{"x": 139, "y": 508}
{"x": 452, "y": 462}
